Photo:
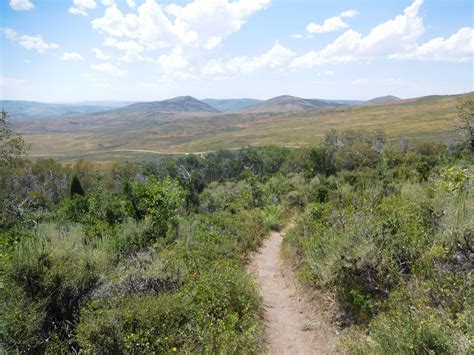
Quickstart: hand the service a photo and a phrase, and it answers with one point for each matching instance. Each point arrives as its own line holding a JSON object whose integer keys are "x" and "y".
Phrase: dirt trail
{"x": 293, "y": 325}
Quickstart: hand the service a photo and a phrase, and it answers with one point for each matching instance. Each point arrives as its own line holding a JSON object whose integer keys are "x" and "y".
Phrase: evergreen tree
{"x": 76, "y": 188}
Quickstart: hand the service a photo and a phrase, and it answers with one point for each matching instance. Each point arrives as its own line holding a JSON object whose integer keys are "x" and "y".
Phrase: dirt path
{"x": 293, "y": 325}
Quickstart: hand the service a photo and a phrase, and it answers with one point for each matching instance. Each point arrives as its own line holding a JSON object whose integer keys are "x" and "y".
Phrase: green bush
{"x": 397, "y": 253}
{"x": 218, "y": 312}
{"x": 44, "y": 284}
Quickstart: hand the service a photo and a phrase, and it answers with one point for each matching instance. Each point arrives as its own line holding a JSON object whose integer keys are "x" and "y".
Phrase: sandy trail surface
{"x": 293, "y": 323}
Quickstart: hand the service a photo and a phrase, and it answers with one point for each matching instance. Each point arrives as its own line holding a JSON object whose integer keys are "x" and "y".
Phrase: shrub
{"x": 218, "y": 312}
{"x": 51, "y": 276}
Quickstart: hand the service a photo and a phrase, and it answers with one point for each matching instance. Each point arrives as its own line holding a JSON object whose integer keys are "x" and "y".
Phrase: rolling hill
{"x": 111, "y": 104}
{"x": 286, "y": 103}
{"x": 33, "y": 109}
{"x": 383, "y": 100}
{"x": 117, "y": 136}
{"x": 177, "y": 104}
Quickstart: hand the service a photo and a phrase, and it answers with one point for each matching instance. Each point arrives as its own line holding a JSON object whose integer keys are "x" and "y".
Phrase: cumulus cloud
{"x": 21, "y": 5}
{"x": 29, "y": 42}
{"x": 123, "y": 45}
{"x": 200, "y": 23}
{"x": 277, "y": 57}
{"x": 173, "y": 61}
{"x": 9, "y": 33}
{"x": 99, "y": 54}
{"x": 390, "y": 38}
{"x": 131, "y": 50}
{"x": 80, "y": 7}
{"x": 109, "y": 69}
{"x": 71, "y": 56}
{"x": 331, "y": 24}
{"x": 37, "y": 43}
{"x": 457, "y": 48}
{"x": 350, "y": 13}
{"x": 395, "y": 39}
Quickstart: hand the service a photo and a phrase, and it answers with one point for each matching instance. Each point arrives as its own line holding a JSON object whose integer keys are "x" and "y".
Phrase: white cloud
{"x": 209, "y": 19}
{"x": 387, "y": 39}
{"x": 36, "y": 42}
{"x": 131, "y": 3}
{"x": 395, "y": 39}
{"x": 297, "y": 36}
{"x": 308, "y": 60}
{"x": 123, "y": 45}
{"x": 80, "y": 7}
{"x": 278, "y": 56}
{"x": 213, "y": 42}
{"x": 200, "y": 23}
{"x": 176, "y": 65}
{"x": 350, "y": 13}
{"x": 27, "y": 61}
{"x": 71, "y": 56}
{"x": 174, "y": 61}
{"x": 99, "y": 54}
{"x": 108, "y": 69}
{"x": 457, "y": 48}
{"x": 331, "y": 24}
{"x": 21, "y": 5}
{"x": 9, "y": 33}
{"x": 132, "y": 50}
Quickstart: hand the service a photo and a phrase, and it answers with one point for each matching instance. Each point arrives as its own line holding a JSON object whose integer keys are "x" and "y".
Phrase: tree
{"x": 76, "y": 188}
{"x": 157, "y": 201}
{"x": 465, "y": 121}
{"x": 11, "y": 145}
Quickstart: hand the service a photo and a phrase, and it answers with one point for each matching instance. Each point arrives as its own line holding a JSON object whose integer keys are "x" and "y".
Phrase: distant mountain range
{"x": 142, "y": 130}
{"x": 177, "y": 105}
{"x": 287, "y": 103}
{"x": 111, "y": 104}
{"x": 32, "y": 109}
{"x": 384, "y": 100}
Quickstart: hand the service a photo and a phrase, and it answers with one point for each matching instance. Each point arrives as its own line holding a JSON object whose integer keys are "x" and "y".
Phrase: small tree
{"x": 76, "y": 188}
{"x": 10, "y": 144}
{"x": 465, "y": 121}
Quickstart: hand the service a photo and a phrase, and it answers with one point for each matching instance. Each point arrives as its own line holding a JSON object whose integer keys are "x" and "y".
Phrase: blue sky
{"x": 140, "y": 50}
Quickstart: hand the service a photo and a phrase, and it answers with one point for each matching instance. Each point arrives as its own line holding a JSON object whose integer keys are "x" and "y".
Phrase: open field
{"x": 106, "y": 138}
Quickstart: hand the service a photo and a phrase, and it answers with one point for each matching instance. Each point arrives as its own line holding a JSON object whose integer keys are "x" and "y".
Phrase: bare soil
{"x": 294, "y": 324}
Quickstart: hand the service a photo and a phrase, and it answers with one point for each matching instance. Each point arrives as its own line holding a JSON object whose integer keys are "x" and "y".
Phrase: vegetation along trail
{"x": 292, "y": 325}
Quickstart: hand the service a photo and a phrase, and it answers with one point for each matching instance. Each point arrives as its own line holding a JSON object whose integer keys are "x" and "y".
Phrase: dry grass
{"x": 429, "y": 117}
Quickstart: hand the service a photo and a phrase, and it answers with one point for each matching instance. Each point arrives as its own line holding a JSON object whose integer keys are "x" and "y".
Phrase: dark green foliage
{"x": 11, "y": 145}
{"x": 76, "y": 187}
{"x": 44, "y": 287}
